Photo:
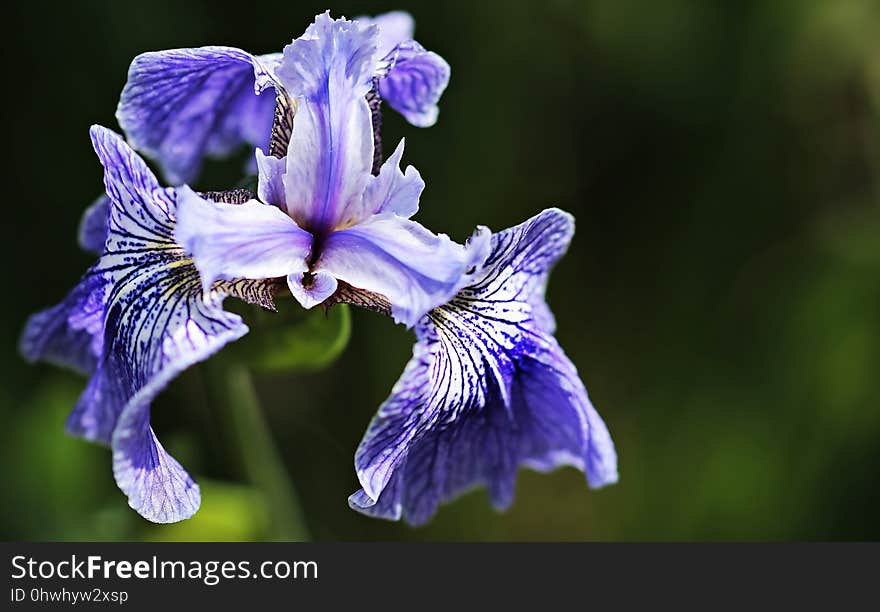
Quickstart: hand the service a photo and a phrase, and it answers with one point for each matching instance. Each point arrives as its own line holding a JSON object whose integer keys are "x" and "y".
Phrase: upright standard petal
{"x": 413, "y": 268}
{"x": 250, "y": 240}
{"x": 329, "y": 71}
{"x": 415, "y": 82}
{"x": 158, "y": 321}
{"x": 183, "y": 104}
{"x": 488, "y": 390}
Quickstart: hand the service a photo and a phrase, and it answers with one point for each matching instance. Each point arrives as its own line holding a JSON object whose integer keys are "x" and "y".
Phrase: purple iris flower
{"x": 181, "y": 105}
{"x": 138, "y": 317}
{"x": 322, "y": 217}
{"x": 488, "y": 390}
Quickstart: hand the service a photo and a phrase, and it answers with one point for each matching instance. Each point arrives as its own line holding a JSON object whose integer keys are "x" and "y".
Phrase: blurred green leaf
{"x": 58, "y": 480}
{"x": 259, "y": 454}
{"x": 306, "y": 345}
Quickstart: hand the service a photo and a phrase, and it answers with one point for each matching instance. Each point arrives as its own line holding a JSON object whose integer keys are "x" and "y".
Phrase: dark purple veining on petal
{"x": 181, "y": 105}
{"x": 488, "y": 390}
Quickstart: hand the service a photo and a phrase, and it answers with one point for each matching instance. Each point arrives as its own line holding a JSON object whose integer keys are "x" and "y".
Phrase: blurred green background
{"x": 721, "y": 298}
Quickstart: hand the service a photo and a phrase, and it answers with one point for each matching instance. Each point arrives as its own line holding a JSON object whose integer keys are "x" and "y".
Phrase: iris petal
{"x": 181, "y": 105}
{"x": 412, "y": 80}
{"x": 157, "y": 322}
{"x": 415, "y": 83}
{"x": 250, "y": 240}
{"x": 392, "y": 190}
{"x": 69, "y": 334}
{"x": 270, "y": 176}
{"x": 412, "y": 267}
{"x": 329, "y": 71}
{"x": 488, "y": 390}
{"x": 311, "y": 289}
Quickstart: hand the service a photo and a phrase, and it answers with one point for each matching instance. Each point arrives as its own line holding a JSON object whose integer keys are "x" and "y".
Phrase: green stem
{"x": 259, "y": 455}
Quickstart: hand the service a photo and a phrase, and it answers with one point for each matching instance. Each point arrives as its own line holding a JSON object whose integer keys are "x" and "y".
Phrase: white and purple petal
{"x": 547, "y": 423}
{"x": 311, "y": 289}
{"x": 394, "y": 191}
{"x": 270, "y": 179}
{"x": 69, "y": 334}
{"x": 488, "y": 390}
{"x": 181, "y": 105}
{"x": 412, "y": 267}
{"x": 157, "y": 322}
{"x": 415, "y": 82}
{"x": 411, "y": 79}
{"x": 328, "y": 71}
{"x": 250, "y": 240}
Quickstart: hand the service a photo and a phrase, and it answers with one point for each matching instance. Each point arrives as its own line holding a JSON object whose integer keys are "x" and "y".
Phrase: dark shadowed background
{"x": 721, "y": 298}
